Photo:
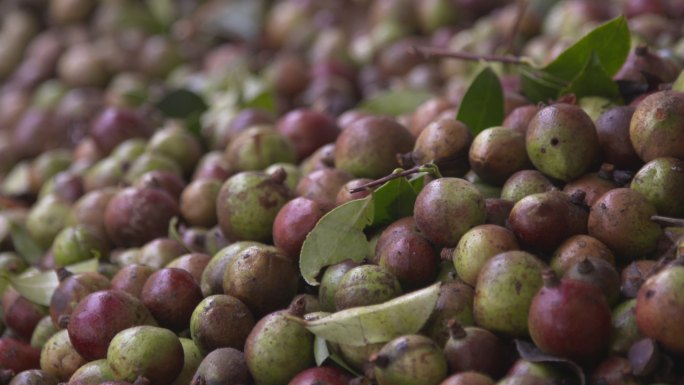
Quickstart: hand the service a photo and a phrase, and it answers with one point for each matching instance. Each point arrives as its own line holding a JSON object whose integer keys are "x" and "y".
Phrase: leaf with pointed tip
{"x": 594, "y": 81}
{"x": 482, "y": 105}
{"x": 395, "y": 199}
{"x": 24, "y": 244}
{"x": 337, "y": 236}
{"x": 365, "y": 325}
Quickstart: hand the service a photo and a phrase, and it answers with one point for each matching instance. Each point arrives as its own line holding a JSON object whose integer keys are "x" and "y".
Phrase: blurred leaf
{"x": 265, "y": 100}
{"x": 181, "y": 104}
{"x": 482, "y": 105}
{"x": 24, "y": 244}
{"x": 530, "y": 352}
{"x": 163, "y": 11}
{"x": 137, "y": 15}
{"x": 338, "y": 236}
{"x": 610, "y": 41}
{"x": 322, "y": 353}
{"x": 539, "y": 86}
{"x": 38, "y": 286}
{"x": 17, "y": 182}
{"x": 175, "y": 235}
{"x": 135, "y": 98}
{"x": 365, "y": 325}
{"x": 594, "y": 81}
{"x": 394, "y": 102}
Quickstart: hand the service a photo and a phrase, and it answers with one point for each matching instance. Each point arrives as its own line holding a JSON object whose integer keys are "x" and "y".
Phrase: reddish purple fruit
{"x": 321, "y": 375}
{"x": 570, "y": 319}
{"x": 18, "y": 356}
{"x": 171, "y": 295}
{"x": 100, "y": 316}
{"x": 293, "y": 223}
{"x": 138, "y": 215}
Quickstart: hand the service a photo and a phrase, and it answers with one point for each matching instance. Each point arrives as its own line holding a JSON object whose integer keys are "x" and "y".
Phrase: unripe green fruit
{"x": 410, "y": 360}
{"x": 366, "y": 285}
{"x": 78, "y": 243}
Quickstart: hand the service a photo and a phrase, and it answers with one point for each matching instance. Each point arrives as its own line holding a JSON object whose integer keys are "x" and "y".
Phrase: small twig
{"x": 428, "y": 52}
{"x": 386, "y": 178}
{"x": 668, "y": 221}
{"x": 521, "y": 7}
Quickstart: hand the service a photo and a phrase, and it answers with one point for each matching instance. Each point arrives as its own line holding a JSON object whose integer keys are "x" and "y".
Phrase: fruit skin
{"x": 248, "y": 203}
{"x": 505, "y": 288}
{"x": 661, "y": 182}
{"x": 321, "y": 375}
{"x": 561, "y": 141}
{"x": 59, "y": 358}
{"x": 367, "y": 148}
{"x": 212, "y": 276}
{"x": 100, "y": 316}
{"x": 135, "y": 216}
{"x": 94, "y": 372}
{"x": 34, "y": 376}
{"x": 278, "y": 348}
{"x": 410, "y": 360}
{"x": 191, "y": 361}
{"x": 148, "y": 351}
{"x": 571, "y": 319}
{"x": 620, "y": 218}
{"x": 171, "y": 283}
{"x": 497, "y": 153}
{"x": 447, "y": 208}
{"x": 220, "y": 321}
{"x": 223, "y": 366}
{"x": 660, "y": 308}
{"x": 257, "y": 148}
{"x": 76, "y": 244}
{"x": 293, "y": 223}
{"x": 366, "y": 285}
{"x": 656, "y": 128}
{"x": 17, "y": 355}
{"x": 474, "y": 348}
{"x": 478, "y": 245}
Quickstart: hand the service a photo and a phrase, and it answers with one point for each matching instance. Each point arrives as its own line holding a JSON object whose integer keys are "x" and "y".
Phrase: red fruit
{"x": 293, "y": 223}
{"x": 171, "y": 295}
{"x": 308, "y": 130}
{"x": 135, "y": 216}
{"x": 322, "y": 375}
{"x": 570, "y": 319}
{"x": 21, "y": 315}
{"x": 71, "y": 289}
{"x": 115, "y": 125}
{"x": 18, "y": 355}
{"x": 100, "y": 316}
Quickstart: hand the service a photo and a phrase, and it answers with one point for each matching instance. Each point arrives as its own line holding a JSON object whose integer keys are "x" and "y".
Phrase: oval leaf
{"x": 378, "y": 323}
{"x": 610, "y": 41}
{"x": 483, "y": 103}
{"x": 395, "y": 102}
{"x": 594, "y": 81}
{"x": 24, "y": 244}
{"x": 395, "y": 199}
{"x": 181, "y": 104}
{"x": 338, "y": 236}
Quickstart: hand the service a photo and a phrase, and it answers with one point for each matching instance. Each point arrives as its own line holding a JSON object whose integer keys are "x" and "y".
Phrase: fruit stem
{"x": 550, "y": 278}
{"x": 456, "y": 331}
{"x": 428, "y": 52}
{"x": 585, "y": 266}
{"x": 668, "y": 221}
{"x": 386, "y": 178}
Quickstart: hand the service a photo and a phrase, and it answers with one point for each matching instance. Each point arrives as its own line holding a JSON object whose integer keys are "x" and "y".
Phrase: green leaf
{"x": 265, "y": 100}
{"x": 322, "y": 353}
{"x": 539, "y": 86}
{"x": 394, "y": 200}
{"x": 163, "y": 11}
{"x": 394, "y": 102}
{"x": 24, "y": 244}
{"x": 175, "y": 235}
{"x": 594, "y": 81}
{"x": 610, "y": 41}
{"x": 38, "y": 286}
{"x": 338, "y": 236}
{"x": 482, "y": 105}
{"x": 365, "y": 325}
{"x": 181, "y": 104}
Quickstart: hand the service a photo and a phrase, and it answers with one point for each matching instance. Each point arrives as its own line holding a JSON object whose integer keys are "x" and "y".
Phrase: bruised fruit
{"x": 660, "y": 308}
{"x": 248, "y": 203}
{"x": 173, "y": 283}
{"x": 570, "y": 318}
{"x": 367, "y": 148}
{"x": 220, "y": 321}
{"x": 447, "y": 208}
{"x": 277, "y": 348}
{"x": 410, "y": 360}
{"x": 223, "y": 366}
{"x": 656, "y": 128}
{"x": 138, "y": 215}
{"x": 621, "y": 218}
{"x": 100, "y": 316}
{"x": 561, "y": 141}
{"x": 366, "y": 285}
{"x": 505, "y": 288}
{"x": 34, "y": 376}
{"x": 148, "y": 351}
{"x": 261, "y": 277}
{"x": 59, "y": 358}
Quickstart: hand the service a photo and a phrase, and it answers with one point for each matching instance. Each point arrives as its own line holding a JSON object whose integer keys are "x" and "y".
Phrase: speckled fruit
{"x": 277, "y": 348}
{"x": 656, "y": 128}
{"x": 446, "y": 142}
{"x": 220, "y": 321}
{"x": 59, "y": 358}
{"x": 212, "y": 276}
{"x": 524, "y": 183}
{"x": 477, "y": 246}
{"x": 248, "y": 203}
{"x": 171, "y": 283}
{"x": 573, "y": 249}
{"x": 293, "y": 223}
{"x": 94, "y": 372}
{"x": 661, "y": 182}
{"x": 561, "y": 141}
{"x": 224, "y": 366}
{"x": 497, "y": 153}
{"x": 147, "y": 351}
{"x": 257, "y": 148}
{"x": 447, "y": 208}
{"x": 366, "y": 285}
{"x": 410, "y": 360}
{"x": 504, "y": 291}
{"x": 78, "y": 243}
{"x": 474, "y": 348}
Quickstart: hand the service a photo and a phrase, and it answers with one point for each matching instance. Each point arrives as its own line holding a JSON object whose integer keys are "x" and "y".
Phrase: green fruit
{"x": 366, "y": 285}
{"x": 148, "y": 351}
{"x": 59, "y": 357}
{"x": 561, "y": 141}
{"x": 477, "y": 246}
{"x": 220, "y": 321}
{"x": 43, "y": 331}
{"x": 625, "y": 331}
{"x": 410, "y": 360}
{"x": 212, "y": 275}
{"x": 177, "y": 144}
{"x": 92, "y": 373}
{"x": 248, "y": 204}
{"x": 524, "y": 183}
{"x": 78, "y": 243}
{"x": 504, "y": 291}
{"x": 257, "y": 148}
{"x": 661, "y": 182}
{"x": 278, "y": 348}
{"x": 46, "y": 219}
{"x": 191, "y": 361}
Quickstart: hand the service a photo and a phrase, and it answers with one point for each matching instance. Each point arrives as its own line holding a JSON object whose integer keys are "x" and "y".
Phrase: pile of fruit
{"x": 300, "y": 192}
